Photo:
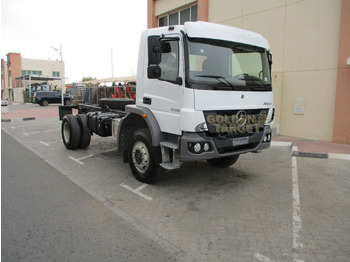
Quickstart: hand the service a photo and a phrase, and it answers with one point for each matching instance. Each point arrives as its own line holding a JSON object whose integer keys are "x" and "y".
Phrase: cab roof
{"x": 214, "y": 31}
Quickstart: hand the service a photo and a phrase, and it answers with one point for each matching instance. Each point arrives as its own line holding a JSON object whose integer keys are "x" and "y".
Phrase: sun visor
{"x": 226, "y": 33}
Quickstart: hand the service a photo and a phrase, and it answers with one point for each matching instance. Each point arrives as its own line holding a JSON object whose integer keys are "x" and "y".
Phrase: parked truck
{"x": 203, "y": 93}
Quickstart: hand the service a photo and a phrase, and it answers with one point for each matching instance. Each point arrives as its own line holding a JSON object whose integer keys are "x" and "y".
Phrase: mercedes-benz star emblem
{"x": 241, "y": 118}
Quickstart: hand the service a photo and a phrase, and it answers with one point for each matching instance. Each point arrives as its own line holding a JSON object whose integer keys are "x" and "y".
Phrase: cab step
{"x": 170, "y": 155}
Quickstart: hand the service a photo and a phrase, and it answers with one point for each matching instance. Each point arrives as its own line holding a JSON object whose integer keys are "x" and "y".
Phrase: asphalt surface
{"x": 273, "y": 206}
{"x": 46, "y": 217}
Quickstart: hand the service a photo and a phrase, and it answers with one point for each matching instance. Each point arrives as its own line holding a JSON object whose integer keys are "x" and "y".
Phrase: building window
{"x": 185, "y": 16}
{"x": 30, "y": 72}
{"x": 163, "y": 21}
{"x": 179, "y": 17}
{"x": 194, "y": 10}
{"x": 174, "y": 19}
{"x": 56, "y": 74}
{"x": 39, "y": 73}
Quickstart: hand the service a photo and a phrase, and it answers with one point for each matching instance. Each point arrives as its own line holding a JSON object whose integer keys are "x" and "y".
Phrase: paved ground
{"x": 46, "y": 217}
{"x": 272, "y": 206}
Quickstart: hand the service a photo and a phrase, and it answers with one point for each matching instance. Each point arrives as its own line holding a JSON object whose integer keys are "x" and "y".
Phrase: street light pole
{"x": 60, "y": 52}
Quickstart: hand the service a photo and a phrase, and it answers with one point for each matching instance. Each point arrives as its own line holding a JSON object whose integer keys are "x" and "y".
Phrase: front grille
{"x": 235, "y": 123}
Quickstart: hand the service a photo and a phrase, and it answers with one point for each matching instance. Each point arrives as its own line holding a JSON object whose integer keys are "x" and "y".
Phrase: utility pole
{"x": 60, "y": 52}
{"x": 112, "y": 60}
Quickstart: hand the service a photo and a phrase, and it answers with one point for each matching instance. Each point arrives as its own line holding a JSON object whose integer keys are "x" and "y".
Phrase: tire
{"x": 223, "y": 162}
{"x": 45, "y": 103}
{"x": 85, "y": 133}
{"x": 116, "y": 103}
{"x": 141, "y": 157}
{"x": 67, "y": 102}
{"x": 70, "y": 132}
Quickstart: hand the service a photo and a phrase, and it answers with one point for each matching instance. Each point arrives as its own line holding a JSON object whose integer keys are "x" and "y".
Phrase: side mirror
{"x": 165, "y": 47}
{"x": 269, "y": 56}
{"x": 154, "y": 72}
{"x": 153, "y": 50}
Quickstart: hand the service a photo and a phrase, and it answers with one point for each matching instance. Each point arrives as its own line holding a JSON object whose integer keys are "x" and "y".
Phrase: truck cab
{"x": 207, "y": 89}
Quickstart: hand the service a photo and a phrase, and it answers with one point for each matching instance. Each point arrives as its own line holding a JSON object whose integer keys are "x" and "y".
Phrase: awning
{"x": 114, "y": 79}
{"x": 38, "y": 77}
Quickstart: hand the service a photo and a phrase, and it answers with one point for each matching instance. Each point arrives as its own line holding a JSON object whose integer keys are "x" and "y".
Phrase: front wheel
{"x": 141, "y": 157}
{"x": 223, "y": 162}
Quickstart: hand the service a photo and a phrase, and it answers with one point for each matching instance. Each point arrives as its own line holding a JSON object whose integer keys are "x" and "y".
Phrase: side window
{"x": 169, "y": 62}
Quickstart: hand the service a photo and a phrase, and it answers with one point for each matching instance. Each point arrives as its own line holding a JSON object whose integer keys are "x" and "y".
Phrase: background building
{"x": 310, "y": 44}
{"x": 14, "y": 70}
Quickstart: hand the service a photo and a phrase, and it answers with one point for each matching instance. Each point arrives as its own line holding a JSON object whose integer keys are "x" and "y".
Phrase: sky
{"x": 89, "y": 32}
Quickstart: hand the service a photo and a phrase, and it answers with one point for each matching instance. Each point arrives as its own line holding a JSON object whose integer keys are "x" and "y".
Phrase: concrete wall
{"x": 304, "y": 43}
{"x": 18, "y": 95}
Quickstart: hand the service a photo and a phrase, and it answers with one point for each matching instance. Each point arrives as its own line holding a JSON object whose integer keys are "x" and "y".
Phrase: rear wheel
{"x": 45, "y": 103}
{"x": 223, "y": 162}
{"x": 142, "y": 157}
{"x": 85, "y": 133}
{"x": 70, "y": 131}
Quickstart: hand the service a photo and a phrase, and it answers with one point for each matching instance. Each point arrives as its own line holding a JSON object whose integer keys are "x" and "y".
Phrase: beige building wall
{"x": 303, "y": 36}
{"x": 47, "y": 67}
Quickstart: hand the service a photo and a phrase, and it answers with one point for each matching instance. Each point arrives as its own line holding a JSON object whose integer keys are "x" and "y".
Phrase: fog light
{"x": 206, "y": 147}
{"x": 197, "y": 147}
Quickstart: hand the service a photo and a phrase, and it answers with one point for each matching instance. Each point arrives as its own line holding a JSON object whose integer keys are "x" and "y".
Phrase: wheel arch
{"x": 138, "y": 117}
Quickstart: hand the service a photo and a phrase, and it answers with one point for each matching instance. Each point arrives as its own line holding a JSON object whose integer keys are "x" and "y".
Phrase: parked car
{"x": 44, "y": 98}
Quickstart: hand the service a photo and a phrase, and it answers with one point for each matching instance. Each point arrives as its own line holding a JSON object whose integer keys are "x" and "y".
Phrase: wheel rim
{"x": 140, "y": 157}
{"x": 66, "y": 132}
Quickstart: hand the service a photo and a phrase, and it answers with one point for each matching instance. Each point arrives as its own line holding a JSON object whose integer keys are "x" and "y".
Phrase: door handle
{"x": 147, "y": 100}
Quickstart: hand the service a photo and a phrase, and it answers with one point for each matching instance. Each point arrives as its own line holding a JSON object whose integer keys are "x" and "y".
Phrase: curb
{"x": 18, "y": 119}
{"x": 297, "y": 153}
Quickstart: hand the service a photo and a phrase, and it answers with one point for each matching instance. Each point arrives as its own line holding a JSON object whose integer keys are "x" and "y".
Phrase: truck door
{"x": 163, "y": 89}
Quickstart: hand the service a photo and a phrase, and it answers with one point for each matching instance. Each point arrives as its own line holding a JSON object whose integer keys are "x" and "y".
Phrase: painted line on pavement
{"x": 297, "y": 223}
{"x": 296, "y": 206}
{"x": 262, "y": 258}
{"x": 137, "y": 191}
{"x": 38, "y": 132}
{"x": 51, "y": 142}
{"x": 78, "y": 160}
{"x": 30, "y": 125}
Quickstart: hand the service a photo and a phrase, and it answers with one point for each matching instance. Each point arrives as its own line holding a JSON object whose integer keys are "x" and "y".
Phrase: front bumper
{"x": 222, "y": 146}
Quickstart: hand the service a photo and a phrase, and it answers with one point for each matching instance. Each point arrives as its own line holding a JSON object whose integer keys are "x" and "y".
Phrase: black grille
{"x": 235, "y": 123}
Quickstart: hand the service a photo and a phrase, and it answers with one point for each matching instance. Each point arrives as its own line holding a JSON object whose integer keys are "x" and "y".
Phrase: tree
{"x": 89, "y": 78}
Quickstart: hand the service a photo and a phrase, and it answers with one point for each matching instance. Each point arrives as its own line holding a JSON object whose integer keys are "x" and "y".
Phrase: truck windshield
{"x": 222, "y": 65}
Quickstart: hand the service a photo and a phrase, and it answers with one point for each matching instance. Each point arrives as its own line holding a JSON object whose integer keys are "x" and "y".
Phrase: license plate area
{"x": 240, "y": 141}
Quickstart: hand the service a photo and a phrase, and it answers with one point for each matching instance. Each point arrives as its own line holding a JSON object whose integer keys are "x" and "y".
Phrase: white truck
{"x": 203, "y": 93}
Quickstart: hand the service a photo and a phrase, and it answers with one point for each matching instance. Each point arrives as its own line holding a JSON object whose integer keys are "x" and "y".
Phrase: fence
{"x": 91, "y": 95}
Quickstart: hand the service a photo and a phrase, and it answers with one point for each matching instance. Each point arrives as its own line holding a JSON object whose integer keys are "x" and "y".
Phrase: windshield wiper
{"x": 252, "y": 78}
{"x": 219, "y": 78}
